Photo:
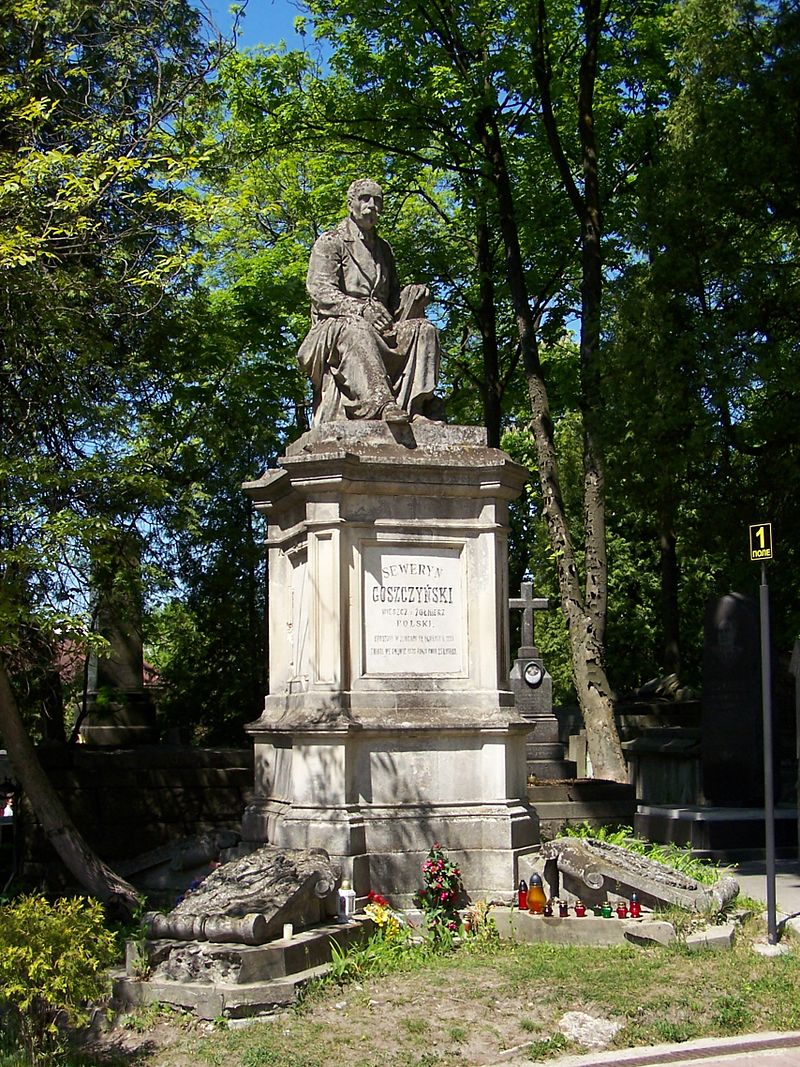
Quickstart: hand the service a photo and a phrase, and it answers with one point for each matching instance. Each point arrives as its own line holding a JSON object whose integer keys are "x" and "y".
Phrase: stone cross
{"x": 527, "y": 603}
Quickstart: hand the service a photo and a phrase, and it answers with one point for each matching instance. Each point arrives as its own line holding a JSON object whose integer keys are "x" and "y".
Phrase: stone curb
{"x": 647, "y": 1055}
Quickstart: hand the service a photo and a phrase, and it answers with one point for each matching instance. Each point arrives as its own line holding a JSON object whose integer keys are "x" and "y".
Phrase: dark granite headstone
{"x": 732, "y": 739}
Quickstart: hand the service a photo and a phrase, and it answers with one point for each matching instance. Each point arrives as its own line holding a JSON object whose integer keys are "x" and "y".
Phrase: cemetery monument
{"x": 389, "y": 723}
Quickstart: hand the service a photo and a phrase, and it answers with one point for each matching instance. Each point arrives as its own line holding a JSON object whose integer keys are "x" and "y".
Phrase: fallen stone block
{"x": 718, "y": 938}
{"x": 595, "y": 870}
{"x": 248, "y": 900}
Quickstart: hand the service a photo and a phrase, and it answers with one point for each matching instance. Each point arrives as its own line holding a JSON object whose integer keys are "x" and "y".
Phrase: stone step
{"x": 553, "y": 816}
{"x": 543, "y": 731}
{"x": 582, "y": 800}
{"x": 589, "y": 930}
{"x": 551, "y": 769}
{"x": 722, "y": 834}
{"x": 215, "y": 1000}
{"x": 582, "y": 790}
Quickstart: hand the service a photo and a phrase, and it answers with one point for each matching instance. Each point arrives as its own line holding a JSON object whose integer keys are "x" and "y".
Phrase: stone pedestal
{"x": 121, "y": 711}
{"x": 389, "y": 723}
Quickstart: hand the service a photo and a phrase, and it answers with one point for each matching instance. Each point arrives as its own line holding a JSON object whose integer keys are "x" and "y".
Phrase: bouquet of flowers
{"x": 442, "y": 887}
{"x": 388, "y": 921}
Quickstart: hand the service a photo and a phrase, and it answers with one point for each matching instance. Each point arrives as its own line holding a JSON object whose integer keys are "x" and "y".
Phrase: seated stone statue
{"x": 370, "y": 352}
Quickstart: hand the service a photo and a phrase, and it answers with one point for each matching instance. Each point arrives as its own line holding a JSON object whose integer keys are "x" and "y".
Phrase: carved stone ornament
{"x": 248, "y": 900}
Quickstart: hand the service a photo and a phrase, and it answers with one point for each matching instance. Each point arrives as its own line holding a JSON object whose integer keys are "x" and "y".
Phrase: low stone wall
{"x": 129, "y": 801}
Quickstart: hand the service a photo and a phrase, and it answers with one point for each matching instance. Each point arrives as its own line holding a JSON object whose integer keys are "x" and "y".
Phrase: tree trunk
{"x": 594, "y": 694}
{"x": 591, "y": 220}
{"x": 670, "y": 612}
{"x": 591, "y": 684}
{"x": 89, "y": 870}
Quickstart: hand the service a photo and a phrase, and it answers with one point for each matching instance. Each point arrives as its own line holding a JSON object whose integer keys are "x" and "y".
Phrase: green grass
{"x": 465, "y": 1007}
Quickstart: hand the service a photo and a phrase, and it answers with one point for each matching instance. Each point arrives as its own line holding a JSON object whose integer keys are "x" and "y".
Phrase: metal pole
{"x": 769, "y": 789}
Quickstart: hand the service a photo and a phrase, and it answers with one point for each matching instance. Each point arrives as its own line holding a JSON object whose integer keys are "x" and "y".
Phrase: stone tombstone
{"x": 732, "y": 737}
{"x": 389, "y": 724}
{"x": 120, "y": 708}
{"x": 532, "y": 685}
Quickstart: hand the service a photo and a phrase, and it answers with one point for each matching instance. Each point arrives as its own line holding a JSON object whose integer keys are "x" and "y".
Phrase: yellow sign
{"x": 761, "y": 541}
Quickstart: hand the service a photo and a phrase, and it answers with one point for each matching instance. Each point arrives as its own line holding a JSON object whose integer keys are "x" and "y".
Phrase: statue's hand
{"x": 377, "y": 315}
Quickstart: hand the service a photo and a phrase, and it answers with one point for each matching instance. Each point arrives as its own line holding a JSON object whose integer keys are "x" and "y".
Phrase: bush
{"x": 53, "y": 959}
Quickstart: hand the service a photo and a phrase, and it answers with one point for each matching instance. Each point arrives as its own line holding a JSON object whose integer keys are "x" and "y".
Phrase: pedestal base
{"x": 123, "y": 723}
{"x": 389, "y": 725}
{"x": 377, "y": 800}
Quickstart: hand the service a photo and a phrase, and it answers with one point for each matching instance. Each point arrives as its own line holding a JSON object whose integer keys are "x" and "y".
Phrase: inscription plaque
{"x": 414, "y": 614}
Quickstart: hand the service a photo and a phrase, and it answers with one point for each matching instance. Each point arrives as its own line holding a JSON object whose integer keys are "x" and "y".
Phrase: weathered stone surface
{"x": 248, "y": 900}
{"x": 649, "y": 931}
{"x": 375, "y": 438}
{"x": 186, "y": 854}
{"x": 594, "y": 870}
{"x": 370, "y": 353}
{"x": 588, "y": 1030}
{"x": 390, "y": 723}
{"x": 589, "y": 930}
{"x": 232, "y": 980}
{"x": 719, "y": 938}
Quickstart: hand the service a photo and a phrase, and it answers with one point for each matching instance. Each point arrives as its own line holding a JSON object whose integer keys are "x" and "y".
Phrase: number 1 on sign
{"x": 761, "y": 541}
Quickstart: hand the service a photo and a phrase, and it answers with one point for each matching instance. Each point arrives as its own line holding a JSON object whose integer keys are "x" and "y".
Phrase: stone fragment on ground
{"x": 587, "y": 1030}
{"x": 763, "y": 948}
{"x": 717, "y": 938}
{"x": 594, "y": 870}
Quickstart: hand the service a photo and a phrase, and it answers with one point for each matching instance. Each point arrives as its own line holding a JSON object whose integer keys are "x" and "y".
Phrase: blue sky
{"x": 264, "y": 21}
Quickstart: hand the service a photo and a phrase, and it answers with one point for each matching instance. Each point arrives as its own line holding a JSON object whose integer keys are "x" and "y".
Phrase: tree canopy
{"x": 604, "y": 197}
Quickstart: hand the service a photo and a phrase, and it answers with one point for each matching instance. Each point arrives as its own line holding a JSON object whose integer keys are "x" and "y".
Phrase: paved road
{"x": 752, "y": 881}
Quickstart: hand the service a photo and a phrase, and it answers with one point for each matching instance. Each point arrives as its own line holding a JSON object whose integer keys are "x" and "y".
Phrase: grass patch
{"x": 464, "y": 1007}
{"x": 548, "y": 1046}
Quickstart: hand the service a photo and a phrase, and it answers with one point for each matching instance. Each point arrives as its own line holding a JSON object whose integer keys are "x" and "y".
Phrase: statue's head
{"x": 365, "y": 202}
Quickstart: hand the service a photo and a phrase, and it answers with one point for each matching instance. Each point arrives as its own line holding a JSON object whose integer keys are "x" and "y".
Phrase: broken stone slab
{"x": 195, "y": 961}
{"x": 171, "y": 869}
{"x": 718, "y": 938}
{"x": 182, "y": 855}
{"x": 248, "y": 900}
{"x": 215, "y": 1000}
{"x": 232, "y": 980}
{"x": 595, "y": 870}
